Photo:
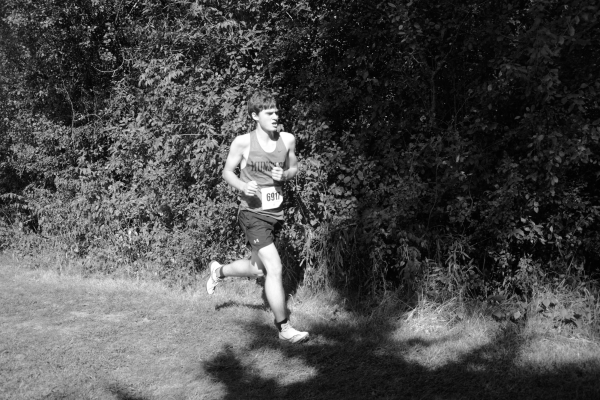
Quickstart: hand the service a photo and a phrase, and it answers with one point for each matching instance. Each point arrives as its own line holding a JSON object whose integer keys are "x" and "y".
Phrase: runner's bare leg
{"x": 273, "y": 280}
{"x": 244, "y": 268}
{"x": 265, "y": 261}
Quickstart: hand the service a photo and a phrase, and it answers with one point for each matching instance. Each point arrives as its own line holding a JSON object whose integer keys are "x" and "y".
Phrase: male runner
{"x": 267, "y": 159}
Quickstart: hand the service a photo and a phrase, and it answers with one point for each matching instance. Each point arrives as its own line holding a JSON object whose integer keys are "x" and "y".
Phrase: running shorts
{"x": 260, "y": 230}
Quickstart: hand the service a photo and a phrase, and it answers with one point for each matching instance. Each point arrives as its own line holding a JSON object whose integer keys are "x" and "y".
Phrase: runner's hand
{"x": 277, "y": 173}
{"x": 250, "y": 188}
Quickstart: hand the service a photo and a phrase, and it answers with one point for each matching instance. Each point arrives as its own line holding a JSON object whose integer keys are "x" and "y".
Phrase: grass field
{"x": 67, "y": 337}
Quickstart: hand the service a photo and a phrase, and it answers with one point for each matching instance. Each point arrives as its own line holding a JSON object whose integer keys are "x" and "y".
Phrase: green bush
{"x": 445, "y": 148}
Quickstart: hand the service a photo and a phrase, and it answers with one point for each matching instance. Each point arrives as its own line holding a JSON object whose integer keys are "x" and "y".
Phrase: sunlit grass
{"x": 66, "y": 336}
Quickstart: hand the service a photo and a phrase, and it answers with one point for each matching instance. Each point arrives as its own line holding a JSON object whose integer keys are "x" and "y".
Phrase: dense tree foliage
{"x": 456, "y": 142}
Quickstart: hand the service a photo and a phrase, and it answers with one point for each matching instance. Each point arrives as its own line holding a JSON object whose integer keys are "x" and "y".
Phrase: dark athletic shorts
{"x": 260, "y": 230}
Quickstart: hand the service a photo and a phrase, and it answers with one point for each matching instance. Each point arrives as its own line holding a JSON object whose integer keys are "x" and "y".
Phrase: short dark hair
{"x": 261, "y": 100}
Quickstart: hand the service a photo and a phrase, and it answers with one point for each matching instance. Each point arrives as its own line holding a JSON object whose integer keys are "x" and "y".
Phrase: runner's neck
{"x": 267, "y": 140}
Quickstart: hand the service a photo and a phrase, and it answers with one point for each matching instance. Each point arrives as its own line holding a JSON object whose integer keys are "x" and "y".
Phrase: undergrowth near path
{"x": 62, "y": 336}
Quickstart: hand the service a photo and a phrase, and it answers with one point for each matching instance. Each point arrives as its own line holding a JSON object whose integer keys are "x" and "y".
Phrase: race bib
{"x": 271, "y": 197}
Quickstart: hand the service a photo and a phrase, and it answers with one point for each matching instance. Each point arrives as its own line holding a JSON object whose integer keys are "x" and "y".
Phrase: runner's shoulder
{"x": 241, "y": 141}
{"x": 287, "y": 138}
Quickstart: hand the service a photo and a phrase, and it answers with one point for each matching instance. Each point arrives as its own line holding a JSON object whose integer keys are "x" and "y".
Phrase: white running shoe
{"x": 291, "y": 335}
{"x": 213, "y": 279}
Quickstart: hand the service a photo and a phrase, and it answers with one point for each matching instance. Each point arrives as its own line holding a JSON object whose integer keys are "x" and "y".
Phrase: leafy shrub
{"x": 445, "y": 149}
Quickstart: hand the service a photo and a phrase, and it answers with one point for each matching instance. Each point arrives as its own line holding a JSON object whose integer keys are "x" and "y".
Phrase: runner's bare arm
{"x": 234, "y": 158}
{"x": 292, "y": 160}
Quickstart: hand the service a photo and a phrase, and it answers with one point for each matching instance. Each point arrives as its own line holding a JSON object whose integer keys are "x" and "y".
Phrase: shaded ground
{"x": 69, "y": 338}
{"x": 346, "y": 365}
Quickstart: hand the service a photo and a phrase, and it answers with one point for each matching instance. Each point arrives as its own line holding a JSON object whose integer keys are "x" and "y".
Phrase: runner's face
{"x": 267, "y": 119}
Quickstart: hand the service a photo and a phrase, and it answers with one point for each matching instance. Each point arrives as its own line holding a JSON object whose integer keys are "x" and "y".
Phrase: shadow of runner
{"x": 351, "y": 363}
{"x": 233, "y": 303}
{"x": 121, "y": 392}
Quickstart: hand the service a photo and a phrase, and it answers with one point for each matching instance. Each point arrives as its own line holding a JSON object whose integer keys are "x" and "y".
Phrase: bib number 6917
{"x": 271, "y": 197}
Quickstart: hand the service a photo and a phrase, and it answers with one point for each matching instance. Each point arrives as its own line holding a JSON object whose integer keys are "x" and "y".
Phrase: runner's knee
{"x": 270, "y": 260}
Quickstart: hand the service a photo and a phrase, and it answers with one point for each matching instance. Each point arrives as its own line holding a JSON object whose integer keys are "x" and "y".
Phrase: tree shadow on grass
{"x": 349, "y": 362}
